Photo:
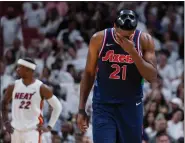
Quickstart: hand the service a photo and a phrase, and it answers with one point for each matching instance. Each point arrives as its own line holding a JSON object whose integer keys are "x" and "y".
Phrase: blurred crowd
{"x": 56, "y": 36}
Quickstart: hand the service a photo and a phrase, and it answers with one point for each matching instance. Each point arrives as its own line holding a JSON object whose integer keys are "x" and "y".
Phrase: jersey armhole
{"x": 138, "y": 44}
{"x": 40, "y": 92}
{"x": 103, "y": 43}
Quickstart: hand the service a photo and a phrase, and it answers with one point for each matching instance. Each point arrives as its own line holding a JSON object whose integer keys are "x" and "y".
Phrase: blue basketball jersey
{"x": 117, "y": 78}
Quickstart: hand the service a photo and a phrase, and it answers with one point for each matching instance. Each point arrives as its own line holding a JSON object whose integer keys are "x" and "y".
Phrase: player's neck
{"x": 28, "y": 81}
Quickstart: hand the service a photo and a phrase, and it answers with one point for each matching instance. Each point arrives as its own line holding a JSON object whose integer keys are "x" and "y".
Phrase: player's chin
{"x": 18, "y": 75}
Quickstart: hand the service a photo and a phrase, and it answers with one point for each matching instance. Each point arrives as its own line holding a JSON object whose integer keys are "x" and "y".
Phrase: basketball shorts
{"x": 118, "y": 123}
{"x": 32, "y": 136}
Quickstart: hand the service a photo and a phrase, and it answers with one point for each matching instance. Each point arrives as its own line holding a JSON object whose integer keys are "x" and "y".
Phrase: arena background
{"x": 56, "y": 36}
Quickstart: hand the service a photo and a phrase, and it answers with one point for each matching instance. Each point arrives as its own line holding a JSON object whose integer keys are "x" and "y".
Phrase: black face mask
{"x": 126, "y": 20}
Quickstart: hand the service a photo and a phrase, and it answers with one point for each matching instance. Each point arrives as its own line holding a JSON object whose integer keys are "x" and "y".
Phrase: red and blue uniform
{"x": 118, "y": 92}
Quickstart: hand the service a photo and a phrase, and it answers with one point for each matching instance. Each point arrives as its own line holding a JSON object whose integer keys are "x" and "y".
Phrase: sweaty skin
{"x": 146, "y": 65}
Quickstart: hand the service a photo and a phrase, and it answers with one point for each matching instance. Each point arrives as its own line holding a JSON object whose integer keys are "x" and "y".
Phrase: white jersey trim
{"x": 104, "y": 39}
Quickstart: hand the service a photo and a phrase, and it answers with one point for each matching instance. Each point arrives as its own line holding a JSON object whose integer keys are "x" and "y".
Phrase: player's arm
{"x": 5, "y": 102}
{"x": 147, "y": 65}
{"x": 47, "y": 94}
{"x": 149, "y": 71}
{"x": 90, "y": 68}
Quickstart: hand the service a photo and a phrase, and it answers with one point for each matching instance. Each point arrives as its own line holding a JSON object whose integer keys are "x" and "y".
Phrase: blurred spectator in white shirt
{"x": 17, "y": 49}
{"x": 165, "y": 70}
{"x": 157, "y": 43}
{"x": 69, "y": 35}
{"x": 5, "y": 79}
{"x": 175, "y": 125}
{"x": 172, "y": 19}
{"x": 35, "y": 16}
{"x": 62, "y": 7}
{"x": 52, "y": 23}
{"x": 11, "y": 28}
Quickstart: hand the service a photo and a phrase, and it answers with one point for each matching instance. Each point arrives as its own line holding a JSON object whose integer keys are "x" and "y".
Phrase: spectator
{"x": 59, "y": 75}
{"x": 165, "y": 70}
{"x": 43, "y": 42}
{"x": 172, "y": 19}
{"x": 45, "y": 76}
{"x": 35, "y": 16}
{"x": 175, "y": 125}
{"x": 152, "y": 106}
{"x": 52, "y": 23}
{"x": 4, "y": 78}
{"x": 160, "y": 126}
{"x": 149, "y": 124}
{"x": 62, "y": 7}
{"x": 67, "y": 131}
{"x": 176, "y": 103}
{"x": 17, "y": 50}
{"x": 68, "y": 36}
{"x": 11, "y": 28}
{"x": 162, "y": 138}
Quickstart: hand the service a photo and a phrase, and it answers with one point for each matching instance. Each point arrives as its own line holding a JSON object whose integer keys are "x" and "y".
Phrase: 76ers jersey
{"x": 26, "y": 105}
{"x": 118, "y": 78}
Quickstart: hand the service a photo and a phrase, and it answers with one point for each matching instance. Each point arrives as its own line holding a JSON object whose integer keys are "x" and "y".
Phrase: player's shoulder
{"x": 98, "y": 34}
{"x": 45, "y": 87}
{"x": 97, "y": 37}
{"x": 45, "y": 90}
{"x": 145, "y": 36}
{"x": 16, "y": 82}
{"x": 39, "y": 82}
{"x": 146, "y": 41}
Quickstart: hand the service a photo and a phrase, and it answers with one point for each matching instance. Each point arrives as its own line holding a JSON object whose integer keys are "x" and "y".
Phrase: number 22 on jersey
{"x": 118, "y": 69}
{"x": 25, "y": 105}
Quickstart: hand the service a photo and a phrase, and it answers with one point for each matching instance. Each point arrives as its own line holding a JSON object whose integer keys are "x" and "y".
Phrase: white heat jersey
{"x": 26, "y": 106}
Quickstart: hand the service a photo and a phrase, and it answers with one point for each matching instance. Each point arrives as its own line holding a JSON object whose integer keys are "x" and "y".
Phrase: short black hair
{"x": 29, "y": 60}
{"x": 161, "y": 133}
{"x": 164, "y": 52}
{"x": 70, "y": 66}
{"x": 178, "y": 109}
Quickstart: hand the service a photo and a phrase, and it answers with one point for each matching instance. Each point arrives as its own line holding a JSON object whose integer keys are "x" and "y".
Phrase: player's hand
{"x": 8, "y": 127}
{"x": 42, "y": 128}
{"x": 126, "y": 44}
{"x": 83, "y": 122}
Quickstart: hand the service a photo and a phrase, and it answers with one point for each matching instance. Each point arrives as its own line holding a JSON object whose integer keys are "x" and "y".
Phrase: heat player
{"x": 27, "y": 95}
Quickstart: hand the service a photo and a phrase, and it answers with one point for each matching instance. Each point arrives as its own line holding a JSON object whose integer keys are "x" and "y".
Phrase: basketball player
{"x": 119, "y": 59}
{"x": 27, "y": 95}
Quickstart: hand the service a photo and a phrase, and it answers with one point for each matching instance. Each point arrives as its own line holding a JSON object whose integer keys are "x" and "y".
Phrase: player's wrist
{"x": 82, "y": 112}
{"x": 132, "y": 51}
{"x": 49, "y": 127}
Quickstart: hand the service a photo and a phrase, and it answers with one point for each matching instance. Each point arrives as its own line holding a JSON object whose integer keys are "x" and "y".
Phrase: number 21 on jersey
{"x": 118, "y": 69}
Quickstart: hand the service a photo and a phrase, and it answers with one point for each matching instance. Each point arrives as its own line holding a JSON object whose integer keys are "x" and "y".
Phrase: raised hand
{"x": 125, "y": 43}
